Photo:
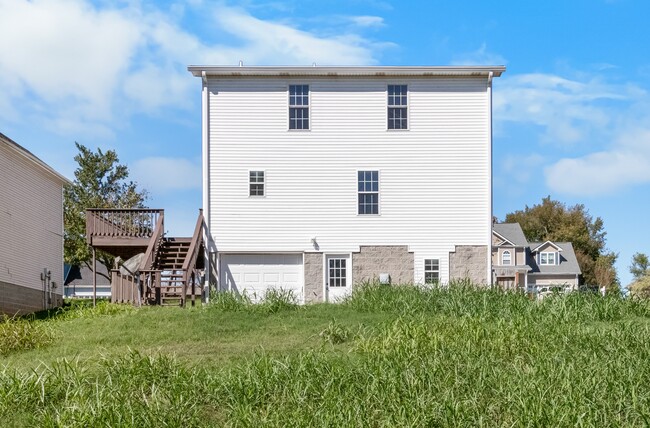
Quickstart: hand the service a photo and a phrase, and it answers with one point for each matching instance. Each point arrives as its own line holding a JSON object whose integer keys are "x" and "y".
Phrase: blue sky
{"x": 571, "y": 114}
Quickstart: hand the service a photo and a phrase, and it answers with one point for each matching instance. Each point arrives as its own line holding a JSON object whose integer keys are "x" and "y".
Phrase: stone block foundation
{"x": 373, "y": 260}
{"x": 469, "y": 262}
{"x": 313, "y": 269}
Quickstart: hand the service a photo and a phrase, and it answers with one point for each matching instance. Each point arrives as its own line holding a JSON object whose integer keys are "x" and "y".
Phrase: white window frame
{"x": 405, "y": 107}
{"x": 378, "y": 192}
{"x": 549, "y": 255}
{"x": 251, "y": 182}
{"x": 292, "y": 106}
{"x": 432, "y": 266}
{"x": 503, "y": 258}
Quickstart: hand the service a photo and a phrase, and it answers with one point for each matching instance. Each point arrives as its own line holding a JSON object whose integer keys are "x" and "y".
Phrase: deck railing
{"x": 121, "y": 223}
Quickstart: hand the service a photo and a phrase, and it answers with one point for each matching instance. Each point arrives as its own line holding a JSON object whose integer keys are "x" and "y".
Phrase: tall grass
{"x": 19, "y": 334}
{"x": 448, "y": 357}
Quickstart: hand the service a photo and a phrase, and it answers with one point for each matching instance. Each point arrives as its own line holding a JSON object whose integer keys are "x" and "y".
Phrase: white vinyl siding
{"x": 31, "y": 222}
{"x": 435, "y": 187}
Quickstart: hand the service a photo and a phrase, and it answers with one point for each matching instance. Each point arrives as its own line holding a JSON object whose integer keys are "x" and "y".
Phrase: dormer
{"x": 547, "y": 254}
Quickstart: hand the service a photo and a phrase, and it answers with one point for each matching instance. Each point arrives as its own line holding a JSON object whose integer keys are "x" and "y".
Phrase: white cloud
{"x": 77, "y": 67}
{"x": 626, "y": 163}
{"x": 481, "y": 56}
{"x": 160, "y": 175}
{"x": 367, "y": 21}
{"x": 568, "y": 111}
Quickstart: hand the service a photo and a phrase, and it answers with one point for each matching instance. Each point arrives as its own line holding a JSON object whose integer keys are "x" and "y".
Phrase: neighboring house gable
{"x": 31, "y": 231}
{"x": 317, "y": 178}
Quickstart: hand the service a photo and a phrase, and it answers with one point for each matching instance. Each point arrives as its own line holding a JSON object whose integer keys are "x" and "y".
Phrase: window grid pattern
{"x": 547, "y": 258}
{"x": 506, "y": 258}
{"x": 397, "y": 107}
{"x": 298, "y": 106}
{"x": 337, "y": 272}
{"x": 431, "y": 271}
{"x": 368, "y": 182}
{"x": 256, "y": 183}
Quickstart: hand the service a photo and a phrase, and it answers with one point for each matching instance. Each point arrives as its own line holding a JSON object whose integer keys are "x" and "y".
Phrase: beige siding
{"x": 31, "y": 222}
{"x": 434, "y": 178}
{"x": 553, "y": 280}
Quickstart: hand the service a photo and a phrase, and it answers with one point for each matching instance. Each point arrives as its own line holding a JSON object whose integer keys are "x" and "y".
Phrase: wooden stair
{"x": 169, "y": 262}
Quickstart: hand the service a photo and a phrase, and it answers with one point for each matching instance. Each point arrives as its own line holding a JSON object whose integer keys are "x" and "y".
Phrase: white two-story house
{"x": 319, "y": 178}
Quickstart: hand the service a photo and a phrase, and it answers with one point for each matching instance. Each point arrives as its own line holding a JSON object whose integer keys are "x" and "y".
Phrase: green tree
{"x": 554, "y": 221}
{"x": 100, "y": 182}
{"x": 640, "y": 266}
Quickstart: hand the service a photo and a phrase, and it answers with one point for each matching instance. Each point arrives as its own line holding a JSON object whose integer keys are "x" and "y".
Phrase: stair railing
{"x": 190, "y": 259}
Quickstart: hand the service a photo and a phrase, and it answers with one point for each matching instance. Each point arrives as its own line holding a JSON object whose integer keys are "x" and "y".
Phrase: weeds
{"x": 456, "y": 356}
{"x": 19, "y": 334}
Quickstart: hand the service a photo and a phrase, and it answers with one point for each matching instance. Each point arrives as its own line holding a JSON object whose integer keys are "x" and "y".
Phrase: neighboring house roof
{"x": 84, "y": 276}
{"x": 20, "y": 150}
{"x": 327, "y": 71}
{"x": 511, "y": 232}
{"x": 568, "y": 261}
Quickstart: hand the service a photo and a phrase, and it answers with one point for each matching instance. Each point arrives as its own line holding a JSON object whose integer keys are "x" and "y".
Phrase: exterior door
{"x": 338, "y": 284}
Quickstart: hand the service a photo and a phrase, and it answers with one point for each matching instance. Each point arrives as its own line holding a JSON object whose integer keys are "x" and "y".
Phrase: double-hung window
{"x": 397, "y": 107}
{"x": 256, "y": 183}
{"x": 368, "y": 187}
{"x": 547, "y": 258}
{"x": 298, "y": 106}
{"x": 431, "y": 271}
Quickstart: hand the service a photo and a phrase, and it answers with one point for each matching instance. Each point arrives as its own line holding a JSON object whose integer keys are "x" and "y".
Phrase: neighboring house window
{"x": 337, "y": 272}
{"x": 256, "y": 183}
{"x": 431, "y": 271}
{"x": 368, "y": 182}
{"x": 506, "y": 258}
{"x": 298, "y": 106}
{"x": 397, "y": 107}
{"x": 547, "y": 258}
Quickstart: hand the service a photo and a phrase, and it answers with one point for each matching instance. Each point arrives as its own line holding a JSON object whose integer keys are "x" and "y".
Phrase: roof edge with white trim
{"x": 31, "y": 157}
{"x": 353, "y": 71}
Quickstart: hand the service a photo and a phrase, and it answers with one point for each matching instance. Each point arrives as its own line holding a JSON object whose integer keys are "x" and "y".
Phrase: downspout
{"x": 205, "y": 153}
{"x": 490, "y": 201}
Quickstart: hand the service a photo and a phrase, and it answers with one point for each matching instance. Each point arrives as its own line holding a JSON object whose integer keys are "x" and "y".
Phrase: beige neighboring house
{"x": 531, "y": 266}
{"x": 31, "y": 231}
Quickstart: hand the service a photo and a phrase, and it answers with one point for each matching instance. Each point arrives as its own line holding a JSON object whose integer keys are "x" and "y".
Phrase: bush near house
{"x": 388, "y": 356}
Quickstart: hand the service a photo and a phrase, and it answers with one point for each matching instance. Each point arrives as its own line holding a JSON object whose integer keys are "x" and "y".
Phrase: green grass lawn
{"x": 399, "y": 356}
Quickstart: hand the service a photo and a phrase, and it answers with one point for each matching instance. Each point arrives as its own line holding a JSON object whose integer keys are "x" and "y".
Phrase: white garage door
{"x": 253, "y": 274}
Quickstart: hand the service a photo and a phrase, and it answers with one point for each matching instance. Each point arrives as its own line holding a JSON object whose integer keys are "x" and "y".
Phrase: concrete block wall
{"x": 373, "y": 260}
{"x": 313, "y": 269}
{"x": 469, "y": 262}
{"x": 17, "y": 300}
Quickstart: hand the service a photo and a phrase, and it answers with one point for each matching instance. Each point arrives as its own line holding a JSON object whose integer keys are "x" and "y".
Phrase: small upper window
{"x": 506, "y": 258}
{"x": 431, "y": 271}
{"x": 397, "y": 107}
{"x": 547, "y": 259}
{"x": 298, "y": 106}
{"x": 368, "y": 185}
{"x": 256, "y": 183}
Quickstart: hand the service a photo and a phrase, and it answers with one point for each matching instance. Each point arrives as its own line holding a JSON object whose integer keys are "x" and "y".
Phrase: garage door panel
{"x": 254, "y": 274}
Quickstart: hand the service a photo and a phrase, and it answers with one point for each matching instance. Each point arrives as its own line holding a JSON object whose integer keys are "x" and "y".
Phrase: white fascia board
{"x": 557, "y": 247}
{"x": 363, "y": 71}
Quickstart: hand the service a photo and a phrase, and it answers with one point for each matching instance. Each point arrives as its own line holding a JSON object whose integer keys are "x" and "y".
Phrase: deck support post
{"x": 94, "y": 277}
